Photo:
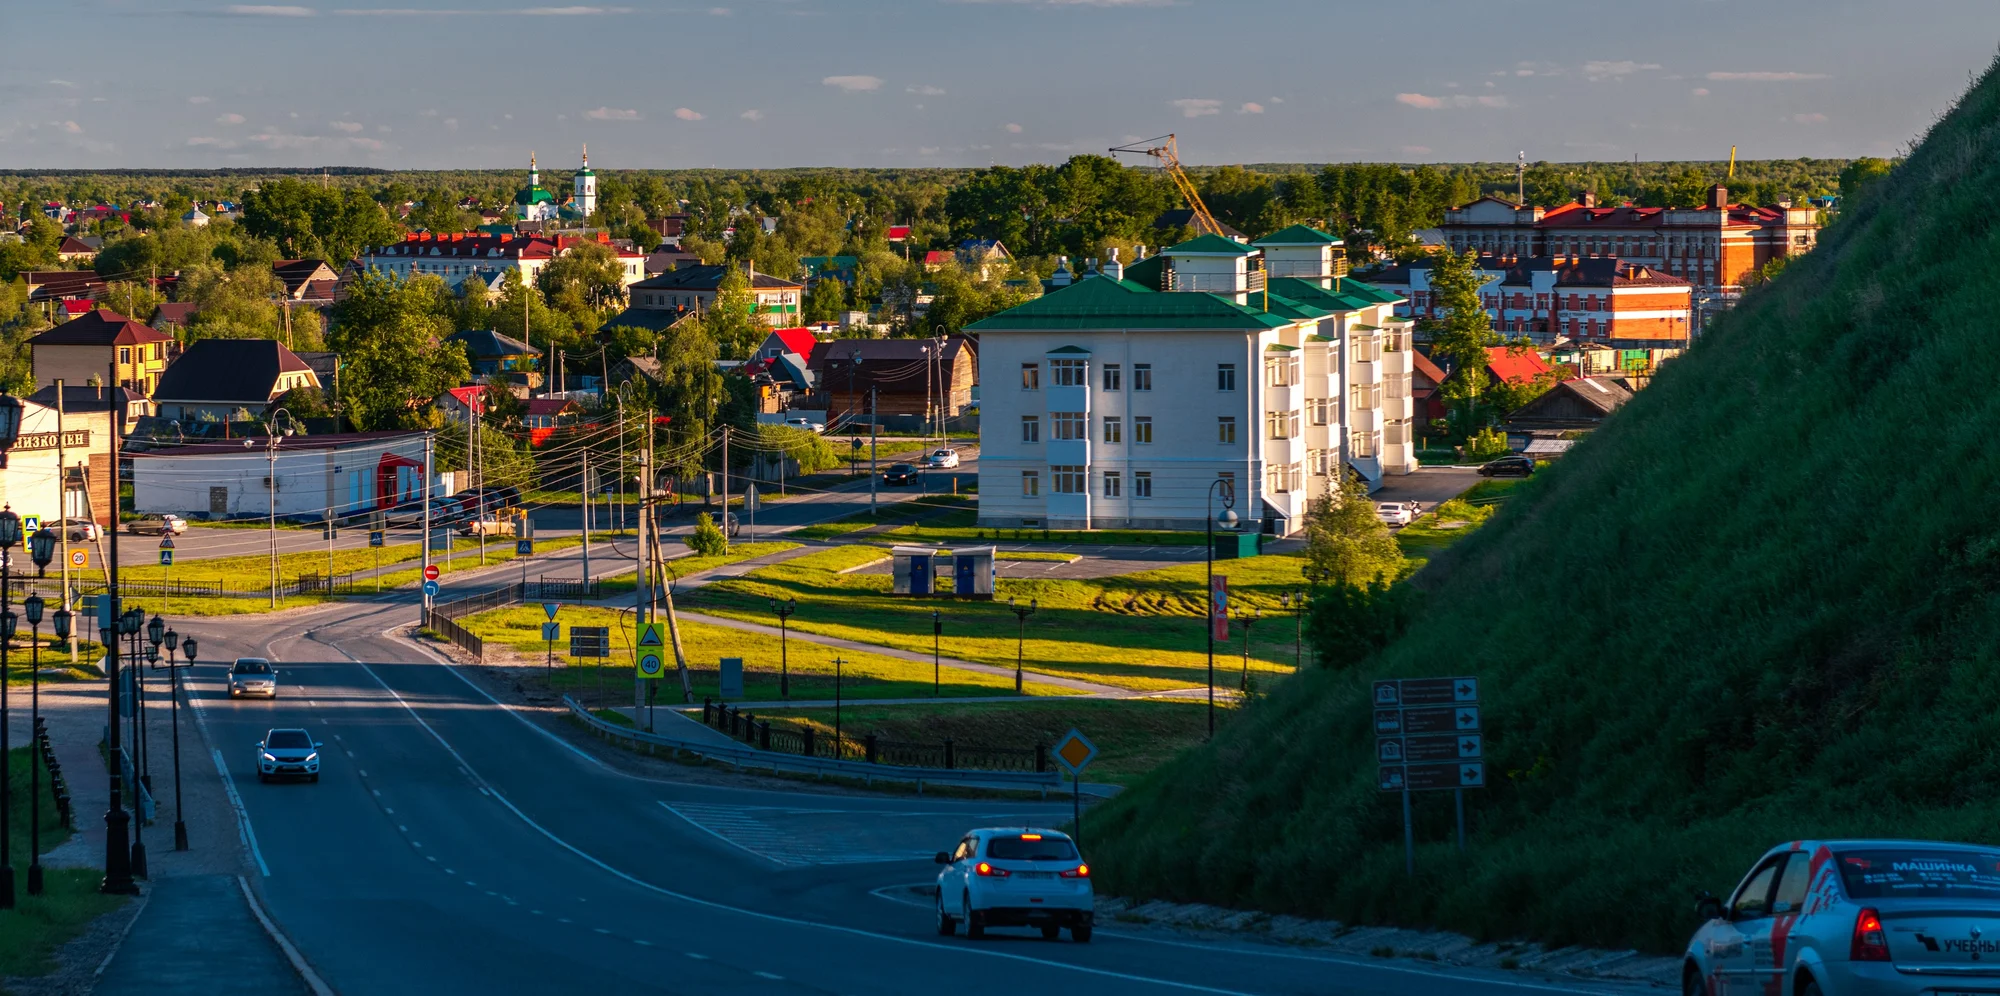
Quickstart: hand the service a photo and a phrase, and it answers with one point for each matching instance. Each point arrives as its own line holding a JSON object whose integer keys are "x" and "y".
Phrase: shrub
{"x": 1486, "y": 444}
{"x": 707, "y": 539}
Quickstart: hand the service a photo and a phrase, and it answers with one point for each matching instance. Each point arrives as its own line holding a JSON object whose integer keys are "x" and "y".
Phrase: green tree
{"x": 1465, "y": 332}
{"x": 689, "y": 392}
{"x": 394, "y": 360}
{"x": 707, "y": 539}
{"x": 1346, "y": 542}
{"x": 1860, "y": 173}
{"x": 731, "y": 322}
{"x": 322, "y": 222}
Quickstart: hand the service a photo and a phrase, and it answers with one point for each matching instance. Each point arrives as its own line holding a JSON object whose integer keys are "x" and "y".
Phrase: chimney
{"x": 1061, "y": 278}
{"x": 1114, "y": 269}
{"x": 1718, "y": 197}
{"x": 1589, "y": 199}
{"x": 1139, "y": 253}
{"x": 1090, "y": 267}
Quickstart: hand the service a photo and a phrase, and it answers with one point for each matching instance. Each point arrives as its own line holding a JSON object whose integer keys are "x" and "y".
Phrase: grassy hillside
{"x": 1759, "y": 604}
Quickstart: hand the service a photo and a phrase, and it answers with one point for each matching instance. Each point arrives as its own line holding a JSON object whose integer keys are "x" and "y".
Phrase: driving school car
{"x": 1854, "y": 918}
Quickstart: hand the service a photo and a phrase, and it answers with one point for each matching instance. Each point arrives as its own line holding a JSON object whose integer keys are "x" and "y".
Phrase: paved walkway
{"x": 197, "y": 935}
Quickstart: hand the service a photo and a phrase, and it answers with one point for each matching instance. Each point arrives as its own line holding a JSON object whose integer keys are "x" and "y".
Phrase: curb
{"x": 306, "y": 974}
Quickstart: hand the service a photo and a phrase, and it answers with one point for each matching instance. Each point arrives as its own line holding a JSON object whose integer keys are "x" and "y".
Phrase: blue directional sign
{"x": 431, "y": 588}
{"x": 551, "y": 632}
{"x": 375, "y": 538}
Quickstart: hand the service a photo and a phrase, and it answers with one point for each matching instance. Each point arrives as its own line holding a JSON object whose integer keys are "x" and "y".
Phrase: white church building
{"x": 534, "y": 202}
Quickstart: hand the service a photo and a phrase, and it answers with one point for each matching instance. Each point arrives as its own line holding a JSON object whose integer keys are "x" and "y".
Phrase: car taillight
{"x": 1870, "y": 943}
{"x": 1080, "y": 871}
{"x": 991, "y": 872}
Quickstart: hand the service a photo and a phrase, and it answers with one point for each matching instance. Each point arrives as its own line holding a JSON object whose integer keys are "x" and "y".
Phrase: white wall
{"x": 310, "y": 481}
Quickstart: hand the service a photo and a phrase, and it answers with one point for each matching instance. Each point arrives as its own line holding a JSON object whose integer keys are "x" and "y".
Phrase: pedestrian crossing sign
{"x": 651, "y": 634}
{"x": 30, "y": 524}
{"x": 167, "y": 557}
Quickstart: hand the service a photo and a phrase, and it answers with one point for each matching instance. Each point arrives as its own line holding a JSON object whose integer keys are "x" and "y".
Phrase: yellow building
{"x": 88, "y": 345}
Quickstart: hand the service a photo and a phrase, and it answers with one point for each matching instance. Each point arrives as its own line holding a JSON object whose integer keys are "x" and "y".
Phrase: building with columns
{"x": 1120, "y": 400}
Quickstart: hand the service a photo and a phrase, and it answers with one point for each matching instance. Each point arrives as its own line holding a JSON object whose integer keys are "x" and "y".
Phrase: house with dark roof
{"x": 914, "y": 378}
{"x": 1548, "y": 425}
{"x": 62, "y": 285}
{"x": 1184, "y": 218}
{"x": 96, "y": 399}
{"x": 492, "y": 352}
{"x": 102, "y": 344}
{"x": 175, "y": 314}
{"x": 300, "y": 274}
{"x": 79, "y": 249}
{"x": 214, "y": 379}
{"x": 659, "y": 302}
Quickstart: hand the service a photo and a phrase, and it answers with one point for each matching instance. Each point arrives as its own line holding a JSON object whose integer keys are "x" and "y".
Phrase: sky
{"x": 437, "y": 84}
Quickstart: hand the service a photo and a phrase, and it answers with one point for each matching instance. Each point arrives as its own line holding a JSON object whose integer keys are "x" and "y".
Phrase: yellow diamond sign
{"x": 1075, "y": 751}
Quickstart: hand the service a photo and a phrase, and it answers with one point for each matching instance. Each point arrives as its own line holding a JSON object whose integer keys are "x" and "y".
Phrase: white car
{"x": 157, "y": 525}
{"x": 943, "y": 456}
{"x": 253, "y": 676}
{"x": 806, "y": 424}
{"x": 78, "y": 530}
{"x": 1853, "y": 918}
{"x": 288, "y": 754}
{"x": 1394, "y": 513}
{"x": 1015, "y": 877}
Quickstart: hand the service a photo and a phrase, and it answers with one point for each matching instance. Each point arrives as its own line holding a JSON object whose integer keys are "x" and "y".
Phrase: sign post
{"x": 1075, "y": 752}
{"x": 648, "y": 644}
{"x": 551, "y": 631}
{"x": 1427, "y": 739}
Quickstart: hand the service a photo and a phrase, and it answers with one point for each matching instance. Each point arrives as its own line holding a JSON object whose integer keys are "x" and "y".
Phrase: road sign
{"x": 651, "y": 666}
{"x": 523, "y": 547}
{"x": 1413, "y": 750}
{"x": 30, "y": 524}
{"x": 430, "y": 572}
{"x": 1075, "y": 751}
{"x": 1408, "y": 692}
{"x": 1218, "y": 617}
{"x": 590, "y": 641}
{"x": 1431, "y": 719}
{"x": 166, "y": 557}
{"x": 79, "y": 558}
{"x": 1431, "y": 777}
{"x": 650, "y": 634}
{"x": 166, "y": 542}
{"x": 731, "y": 684}
{"x": 376, "y": 537}
{"x": 1427, "y": 739}
{"x": 549, "y": 608}
{"x": 551, "y": 631}
{"x": 431, "y": 589}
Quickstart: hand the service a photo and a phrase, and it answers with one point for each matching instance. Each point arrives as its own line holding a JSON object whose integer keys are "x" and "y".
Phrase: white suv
{"x": 1018, "y": 877}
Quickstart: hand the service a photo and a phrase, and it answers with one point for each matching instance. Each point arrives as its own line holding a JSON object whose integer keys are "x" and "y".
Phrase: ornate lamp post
{"x": 129, "y": 626}
{"x": 32, "y": 606}
{"x": 10, "y": 536}
{"x": 1248, "y": 619}
{"x": 1295, "y": 600}
{"x": 937, "y": 634}
{"x": 784, "y": 610}
{"x": 1226, "y": 520}
{"x": 1021, "y": 614}
{"x": 63, "y": 618}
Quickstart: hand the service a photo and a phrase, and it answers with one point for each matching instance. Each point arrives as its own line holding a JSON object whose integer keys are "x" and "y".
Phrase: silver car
{"x": 288, "y": 754}
{"x": 1854, "y": 918}
{"x": 253, "y": 676}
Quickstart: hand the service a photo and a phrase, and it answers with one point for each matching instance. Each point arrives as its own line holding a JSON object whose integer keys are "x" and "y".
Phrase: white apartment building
{"x": 1119, "y": 401}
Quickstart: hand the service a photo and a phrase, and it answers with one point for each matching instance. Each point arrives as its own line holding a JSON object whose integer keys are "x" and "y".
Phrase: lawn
{"x": 1132, "y": 737}
{"x": 954, "y": 519}
{"x": 956, "y": 509}
{"x": 32, "y": 931}
{"x": 464, "y": 556}
{"x": 1142, "y": 631}
{"x": 862, "y": 675}
{"x": 1433, "y": 531}
{"x": 55, "y": 664}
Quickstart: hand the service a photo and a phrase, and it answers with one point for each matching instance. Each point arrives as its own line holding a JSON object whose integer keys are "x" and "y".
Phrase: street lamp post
{"x": 10, "y": 534}
{"x": 187, "y": 646}
{"x": 1248, "y": 619}
{"x": 62, "y": 622}
{"x": 117, "y": 855}
{"x": 128, "y": 627}
{"x": 1021, "y": 614}
{"x": 837, "y": 662}
{"x": 937, "y": 634}
{"x": 784, "y": 610}
{"x": 142, "y": 736}
{"x": 271, "y": 488}
{"x": 1296, "y": 601}
{"x": 1226, "y": 520}
{"x": 41, "y": 547}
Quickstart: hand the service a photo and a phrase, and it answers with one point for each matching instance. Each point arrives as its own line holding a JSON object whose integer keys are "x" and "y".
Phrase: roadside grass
{"x": 1038, "y": 555}
{"x": 1434, "y": 532}
{"x": 56, "y": 668}
{"x": 1492, "y": 487}
{"x": 38, "y": 925}
{"x": 840, "y": 558}
{"x": 862, "y": 675}
{"x": 898, "y": 514}
{"x": 954, "y": 519}
{"x": 464, "y": 556}
{"x": 1143, "y": 631}
{"x": 1132, "y": 737}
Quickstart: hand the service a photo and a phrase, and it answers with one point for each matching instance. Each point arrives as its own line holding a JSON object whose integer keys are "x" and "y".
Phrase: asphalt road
{"x": 455, "y": 846}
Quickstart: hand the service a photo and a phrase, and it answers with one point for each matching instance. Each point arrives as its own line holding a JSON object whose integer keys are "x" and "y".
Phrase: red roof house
{"x": 1514, "y": 364}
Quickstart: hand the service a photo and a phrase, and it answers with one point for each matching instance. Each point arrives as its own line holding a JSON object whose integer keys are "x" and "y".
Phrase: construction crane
{"x": 1164, "y": 149}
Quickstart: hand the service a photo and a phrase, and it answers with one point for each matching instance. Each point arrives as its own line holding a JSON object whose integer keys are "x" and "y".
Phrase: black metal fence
{"x": 548, "y": 589}
{"x": 322, "y": 584}
{"x": 797, "y": 738}
{"x": 459, "y": 608}
{"x": 459, "y": 636}
{"x": 58, "y": 788}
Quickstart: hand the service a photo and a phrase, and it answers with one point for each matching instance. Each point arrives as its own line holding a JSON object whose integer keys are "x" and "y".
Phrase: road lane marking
{"x": 784, "y": 846}
{"x": 299, "y": 965}
{"x": 243, "y": 830}
{"x": 767, "y": 975}
{"x": 697, "y": 957}
{"x": 644, "y": 943}
{"x": 600, "y": 930}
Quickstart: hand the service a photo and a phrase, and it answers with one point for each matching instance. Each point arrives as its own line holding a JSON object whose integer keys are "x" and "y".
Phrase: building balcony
{"x": 1397, "y": 362}
{"x": 1396, "y": 408}
{"x": 1364, "y": 372}
{"x": 1282, "y": 399}
{"x": 1308, "y": 269}
{"x": 1068, "y": 452}
{"x": 1212, "y": 283}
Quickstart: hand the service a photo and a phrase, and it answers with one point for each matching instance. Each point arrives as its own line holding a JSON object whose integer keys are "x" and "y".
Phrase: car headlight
{"x": 314, "y": 756}
{"x": 267, "y": 757}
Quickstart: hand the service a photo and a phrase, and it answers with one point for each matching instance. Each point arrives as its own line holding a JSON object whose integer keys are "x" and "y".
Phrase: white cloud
{"x": 1455, "y": 100}
{"x": 1419, "y": 100}
{"x": 1194, "y": 107}
{"x": 573, "y": 11}
{"x": 927, "y": 150}
{"x": 1013, "y": 128}
{"x": 231, "y": 118}
{"x": 925, "y": 90}
{"x": 203, "y": 140}
{"x": 1813, "y": 118}
{"x": 63, "y": 83}
{"x": 1416, "y": 150}
{"x": 720, "y": 11}
{"x": 70, "y": 127}
{"x": 1491, "y": 101}
{"x": 347, "y": 126}
{"x": 1600, "y": 69}
{"x": 612, "y": 114}
{"x": 1081, "y": 3}
{"x": 451, "y": 124}
{"x": 267, "y": 10}
{"x": 1276, "y": 100}
{"x": 1765, "y": 77}
{"x": 1700, "y": 91}
{"x": 854, "y": 84}
{"x": 198, "y": 100}
{"x": 752, "y": 114}
{"x": 463, "y": 11}
{"x": 1251, "y": 107}
{"x": 688, "y": 114}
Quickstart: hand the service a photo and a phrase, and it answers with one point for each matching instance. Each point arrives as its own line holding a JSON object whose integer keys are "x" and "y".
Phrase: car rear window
{"x": 1893, "y": 872}
{"x": 288, "y": 740}
{"x": 1031, "y": 848}
{"x": 252, "y": 667}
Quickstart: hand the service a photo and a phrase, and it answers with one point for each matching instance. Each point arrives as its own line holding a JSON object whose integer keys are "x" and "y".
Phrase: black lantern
{"x": 132, "y": 621}
{"x": 62, "y": 618}
{"x": 9, "y": 623}
{"x": 173, "y": 641}
{"x": 33, "y": 606}
{"x": 153, "y": 653}
{"x": 10, "y": 425}
{"x": 10, "y": 528}
{"x": 42, "y": 546}
{"x": 187, "y": 649}
{"x": 156, "y": 631}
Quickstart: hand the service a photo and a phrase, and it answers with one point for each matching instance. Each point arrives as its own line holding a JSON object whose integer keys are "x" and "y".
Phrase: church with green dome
{"x": 534, "y": 202}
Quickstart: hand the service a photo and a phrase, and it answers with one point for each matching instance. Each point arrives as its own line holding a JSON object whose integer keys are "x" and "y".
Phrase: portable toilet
{"x": 973, "y": 571}
{"x": 911, "y": 568}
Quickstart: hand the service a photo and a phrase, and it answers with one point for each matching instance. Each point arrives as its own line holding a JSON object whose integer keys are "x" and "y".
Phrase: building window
{"x": 1068, "y": 425}
{"x": 1031, "y": 484}
{"x": 1114, "y": 429}
{"x": 1031, "y": 429}
{"x": 1318, "y": 410}
{"x": 1031, "y": 376}
{"x": 1068, "y": 479}
{"x": 1111, "y": 377}
{"x": 1316, "y": 462}
{"x": 1228, "y": 479}
{"x": 1225, "y": 429}
{"x": 1069, "y": 373}
{"x": 124, "y": 354}
{"x": 1364, "y": 347}
{"x": 1225, "y": 376}
{"x": 1365, "y": 396}
{"x": 1281, "y": 371}
{"x": 1142, "y": 376}
{"x": 1363, "y": 444}
{"x": 1281, "y": 424}
{"x": 1142, "y": 484}
{"x": 1142, "y": 429}
{"x": 1112, "y": 484}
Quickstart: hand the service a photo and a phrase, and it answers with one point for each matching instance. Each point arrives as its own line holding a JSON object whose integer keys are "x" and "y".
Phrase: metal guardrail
{"x": 752, "y": 757}
{"x": 790, "y": 738}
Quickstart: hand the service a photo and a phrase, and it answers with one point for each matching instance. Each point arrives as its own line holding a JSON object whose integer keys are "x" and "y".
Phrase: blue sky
{"x": 762, "y": 83}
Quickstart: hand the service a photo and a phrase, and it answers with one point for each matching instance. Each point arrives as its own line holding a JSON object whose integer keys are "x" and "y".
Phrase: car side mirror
{"x": 943, "y": 858}
{"x": 317, "y": 744}
{"x": 1706, "y": 906}
{"x": 260, "y": 745}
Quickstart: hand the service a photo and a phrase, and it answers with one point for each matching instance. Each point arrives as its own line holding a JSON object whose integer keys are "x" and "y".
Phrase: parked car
{"x": 78, "y": 530}
{"x": 900, "y": 474}
{"x": 1826, "y": 918}
{"x": 1508, "y": 466}
{"x": 491, "y": 525}
{"x": 409, "y": 513}
{"x": 157, "y": 525}
{"x": 806, "y": 423}
{"x": 288, "y": 754}
{"x": 1394, "y": 513}
{"x": 943, "y": 456}
{"x": 504, "y": 496}
{"x": 1016, "y": 877}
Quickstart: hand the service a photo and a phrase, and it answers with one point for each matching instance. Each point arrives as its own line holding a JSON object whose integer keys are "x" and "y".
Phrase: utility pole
{"x": 725, "y": 489}
{"x": 643, "y": 593}
{"x": 477, "y": 416}
{"x": 271, "y": 490}
{"x": 62, "y": 522}
{"x": 1521, "y": 177}
{"x": 586, "y": 521}
{"x": 872, "y": 422}
{"x": 424, "y": 495}
{"x": 673, "y": 618}
{"x": 117, "y": 855}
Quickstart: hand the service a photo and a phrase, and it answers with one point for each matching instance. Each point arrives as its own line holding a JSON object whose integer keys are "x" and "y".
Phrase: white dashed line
{"x": 642, "y": 943}
{"x": 697, "y": 957}
{"x": 429, "y": 857}
{"x": 600, "y": 930}
{"x": 564, "y": 919}
{"x": 364, "y": 774}
{"x": 767, "y": 975}
{"x": 404, "y": 829}
{"x": 536, "y": 912}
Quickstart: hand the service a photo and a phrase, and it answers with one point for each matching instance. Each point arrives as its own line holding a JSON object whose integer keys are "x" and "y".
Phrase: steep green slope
{"x": 1760, "y": 604}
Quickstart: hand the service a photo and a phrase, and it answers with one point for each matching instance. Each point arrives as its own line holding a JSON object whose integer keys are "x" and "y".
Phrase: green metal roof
{"x": 1103, "y": 303}
{"x": 1279, "y": 347}
{"x": 533, "y": 195}
{"x": 1147, "y": 272}
{"x": 1353, "y": 295}
{"x": 1298, "y": 235}
{"x": 1208, "y": 245}
{"x": 1279, "y": 304}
